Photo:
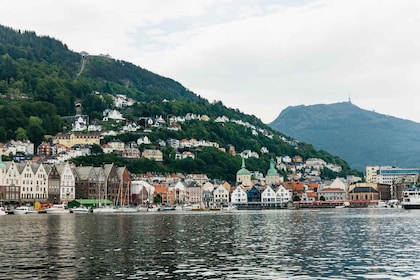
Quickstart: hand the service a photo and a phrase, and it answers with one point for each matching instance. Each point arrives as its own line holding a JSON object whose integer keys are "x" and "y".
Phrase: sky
{"x": 257, "y": 56}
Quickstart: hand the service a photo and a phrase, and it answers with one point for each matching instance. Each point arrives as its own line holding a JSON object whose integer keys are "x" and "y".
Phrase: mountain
{"x": 359, "y": 136}
{"x": 43, "y": 83}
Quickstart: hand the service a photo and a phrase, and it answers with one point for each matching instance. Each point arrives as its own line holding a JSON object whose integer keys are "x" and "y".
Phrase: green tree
{"x": 35, "y": 130}
{"x": 97, "y": 149}
{"x": 21, "y": 134}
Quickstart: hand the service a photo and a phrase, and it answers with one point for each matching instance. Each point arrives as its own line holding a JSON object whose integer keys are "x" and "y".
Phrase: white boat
{"x": 2, "y": 211}
{"x": 411, "y": 197}
{"x": 129, "y": 209}
{"x": 80, "y": 210}
{"x": 104, "y": 210}
{"x": 381, "y": 204}
{"x": 229, "y": 207}
{"x": 145, "y": 208}
{"x": 22, "y": 210}
{"x": 394, "y": 203}
{"x": 57, "y": 209}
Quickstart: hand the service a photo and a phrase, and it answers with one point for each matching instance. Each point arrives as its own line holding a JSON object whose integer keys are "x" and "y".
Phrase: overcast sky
{"x": 257, "y": 56}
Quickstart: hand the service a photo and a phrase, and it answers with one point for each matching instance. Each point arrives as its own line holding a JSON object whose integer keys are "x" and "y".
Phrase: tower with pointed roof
{"x": 273, "y": 176}
{"x": 243, "y": 176}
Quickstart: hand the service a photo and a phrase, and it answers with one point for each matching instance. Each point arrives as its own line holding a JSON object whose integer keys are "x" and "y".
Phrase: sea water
{"x": 270, "y": 244}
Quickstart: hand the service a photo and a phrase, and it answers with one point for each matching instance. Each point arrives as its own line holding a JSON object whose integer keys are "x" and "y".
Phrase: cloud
{"x": 258, "y": 56}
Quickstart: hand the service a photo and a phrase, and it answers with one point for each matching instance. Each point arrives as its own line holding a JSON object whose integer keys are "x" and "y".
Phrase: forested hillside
{"x": 41, "y": 80}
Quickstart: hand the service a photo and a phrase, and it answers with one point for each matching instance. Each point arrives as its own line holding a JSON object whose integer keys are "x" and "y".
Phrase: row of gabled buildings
{"x": 29, "y": 182}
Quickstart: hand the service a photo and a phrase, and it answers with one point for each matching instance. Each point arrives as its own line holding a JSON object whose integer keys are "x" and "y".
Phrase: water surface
{"x": 272, "y": 244}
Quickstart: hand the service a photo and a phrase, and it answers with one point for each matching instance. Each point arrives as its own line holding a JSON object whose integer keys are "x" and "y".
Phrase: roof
{"x": 272, "y": 171}
{"x": 243, "y": 170}
{"x": 364, "y": 190}
{"x": 89, "y": 202}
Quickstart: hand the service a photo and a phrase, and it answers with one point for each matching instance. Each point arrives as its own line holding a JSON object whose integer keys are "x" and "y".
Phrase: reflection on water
{"x": 299, "y": 244}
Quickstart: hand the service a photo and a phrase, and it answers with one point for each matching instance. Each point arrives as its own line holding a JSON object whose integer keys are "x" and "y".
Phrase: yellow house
{"x": 153, "y": 154}
{"x": 363, "y": 192}
{"x": 69, "y": 140}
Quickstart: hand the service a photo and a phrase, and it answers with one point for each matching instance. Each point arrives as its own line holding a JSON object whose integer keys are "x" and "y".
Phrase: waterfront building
{"x": 363, "y": 192}
{"x": 283, "y": 195}
{"x": 161, "y": 192}
{"x": 34, "y": 184}
{"x": 178, "y": 193}
{"x": 268, "y": 195}
{"x": 221, "y": 195}
{"x": 254, "y": 194}
{"x": 208, "y": 198}
{"x": 194, "y": 193}
{"x": 124, "y": 191}
{"x": 61, "y": 183}
{"x": 334, "y": 192}
{"x": 86, "y": 183}
{"x": 239, "y": 195}
{"x": 53, "y": 183}
{"x": 387, "y": 174}
{"x": 402, "y": 183}
{"x": 142, "y": 191}
{"x": 112, "y": 188}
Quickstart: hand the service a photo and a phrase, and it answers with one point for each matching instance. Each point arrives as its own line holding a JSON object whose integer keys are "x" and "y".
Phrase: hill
{"x": 358, "y": 136}
{"x": 42, "y": 81}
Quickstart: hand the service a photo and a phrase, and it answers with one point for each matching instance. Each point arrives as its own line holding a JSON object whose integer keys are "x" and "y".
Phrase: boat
{"x": 394, "y": 203}
{"x": 344, "y": 205}
{"x": 147, "y": 208}
{"x": 22, "y": 210}
{"x": 381, "y": 204}
{"x": 192, "y": 207}
{"x": 80, "y": 210}
{"x": 166, "y": 207}
{"x": 411, "y": 197}
{"x": 104, "y": 210}
{"x": 2, "y": 211}
{"x": 57, "y": 209}
{"x": 229, "y": 207}
{"x": 129, "y": 209}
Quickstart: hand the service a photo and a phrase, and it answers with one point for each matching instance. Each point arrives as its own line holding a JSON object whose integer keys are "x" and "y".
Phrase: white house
{"x": 220, "y": 195}
{"x": 114, "y": 115}
{"x": 67, "y": 182}
{"x": 239, "y": 196}
{"x": 143, "y": 140}
{"x": 34, "y": 182}
{"x": 268, "y": 195}
{"x": 283, "y": 195}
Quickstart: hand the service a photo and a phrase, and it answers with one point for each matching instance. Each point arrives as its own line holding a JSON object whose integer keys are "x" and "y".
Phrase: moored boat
{"x": 22, "y": 210}
{"x": 167, "y": 207}
{"x": 192, "y": 207}
{"x": 57, "y": 209}
{"x": 103, "y": 210}
{"x": 2, "y": 211}
{"x": 80, "y": 210}
{"x": 411, "y": 197}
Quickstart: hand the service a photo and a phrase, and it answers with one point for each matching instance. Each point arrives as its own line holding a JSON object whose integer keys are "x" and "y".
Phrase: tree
{"x": 35, "y": 130}
{"x": 21, "y": 134}
{"x": 97, "y": 149}
{"x": 157, "y": 198}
